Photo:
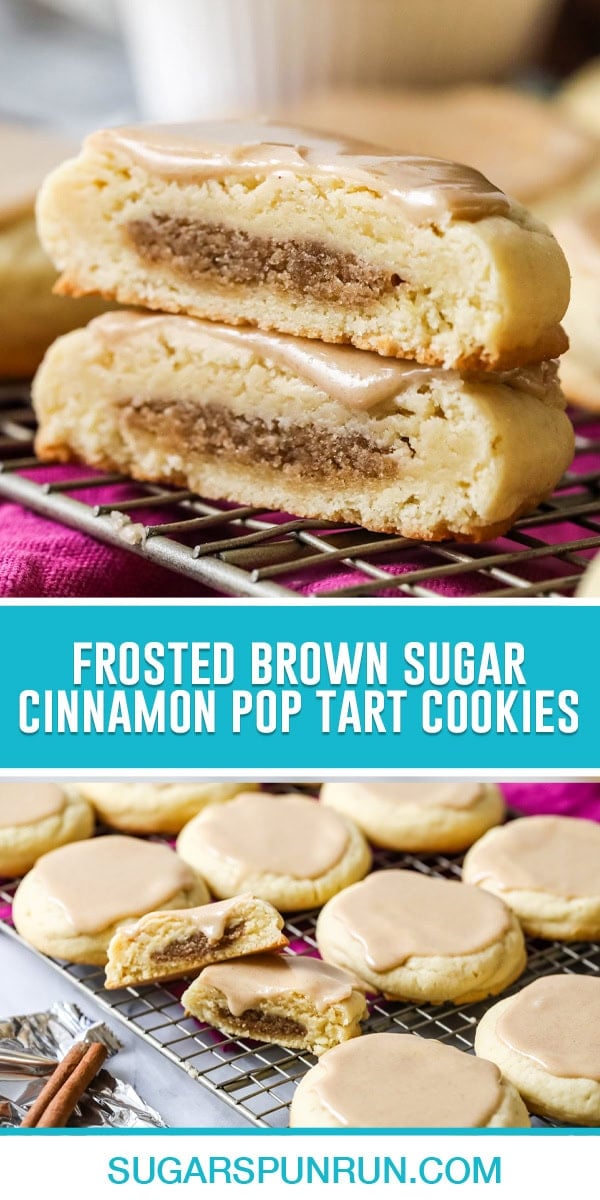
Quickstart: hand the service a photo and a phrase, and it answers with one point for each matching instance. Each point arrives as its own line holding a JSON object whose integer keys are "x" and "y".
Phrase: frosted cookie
{"x": 285, "y": 849}
{"x": 546, "y": 1041}
{"x": 74, "y": 899}
{"x": 417, "y": 938}
{"x": 527, "y": 146}
{"x": 427, "y": 818}
{"x": 548, "y": 870}
{"x": 579, "y": 98}
{"x": 322, "y": 431}
{"x": 291, "y": 1000}
{"x": 31, "y": 315}
{"x": 173, "y": 943}
{"x": 578, "y": 231}
{"x": 155, "y": 807}
{"x": 310, "y": 235}
{"x": 402, "y": 1081}
{"x": 37, "y": 817}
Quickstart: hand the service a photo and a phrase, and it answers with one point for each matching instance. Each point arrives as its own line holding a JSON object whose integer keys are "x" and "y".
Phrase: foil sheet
{"x": 26, "y": 1044}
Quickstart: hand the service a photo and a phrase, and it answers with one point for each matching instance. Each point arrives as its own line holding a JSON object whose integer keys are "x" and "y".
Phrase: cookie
{"x": 545, "y": 1041}
{"x": 174, "y": 943}
{"x": 322, "y": 431}
{"x": 75, "y": 898}
{"x": 310, "y": 235}
{"x": 291, "y": 1000}
{"x": 427, "y": 818}
{"x": 548, "y": 870}
{"x": 579, "y": 97}
{"x": 155, "y": 807}
{"x": 578, "y": 231}
{"x": 285, "y": 849}
{"x": 527, "y": 146}
{"x": 416, "y": 938}
{"x": 32, "y": 317}
{"x": 398, "y": 1080}
{"x": 38, "y": 817}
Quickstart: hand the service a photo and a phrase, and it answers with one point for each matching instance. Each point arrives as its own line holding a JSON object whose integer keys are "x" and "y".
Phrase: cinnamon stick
{"x": 66, "y": 1086}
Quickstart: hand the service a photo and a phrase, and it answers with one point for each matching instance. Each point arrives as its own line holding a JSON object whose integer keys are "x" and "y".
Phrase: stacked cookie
{"x": 341, "y": 333}
{"x": 543, "y": 151}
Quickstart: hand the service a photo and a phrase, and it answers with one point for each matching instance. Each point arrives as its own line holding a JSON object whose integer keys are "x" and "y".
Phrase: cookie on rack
{"x": 291, "y": 1000}
{"x": 398, "y": 1080}
{"x": 545, "y": 1041}
{"x": 177, "y": 942}
{"x": 547, "y": 869}
{"x": 149, "y": 807}
{"x": 72, "y": 902}
{"x": 36, "y": 817}
{"x": 323, "y": 431}
{"x": 420, "y": 938}
{"x": 287, "y": 849}
{"x": 436, "y": 816}
{"x": 311, "y": 235}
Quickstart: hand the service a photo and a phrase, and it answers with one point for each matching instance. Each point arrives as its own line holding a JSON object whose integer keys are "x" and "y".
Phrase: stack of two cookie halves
{"x": 337, "y": 332}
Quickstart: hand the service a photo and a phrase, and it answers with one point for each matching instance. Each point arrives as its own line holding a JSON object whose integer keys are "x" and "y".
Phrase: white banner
{"x": 92, "y": 1165}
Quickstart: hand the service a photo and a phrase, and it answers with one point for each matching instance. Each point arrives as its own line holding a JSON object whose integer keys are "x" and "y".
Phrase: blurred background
{"x": 80, "y": 63}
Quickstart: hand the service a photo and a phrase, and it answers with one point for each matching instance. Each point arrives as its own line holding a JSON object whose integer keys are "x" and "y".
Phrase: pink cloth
{"x": 566, "y": 799}
{"x": 39, "y": 557}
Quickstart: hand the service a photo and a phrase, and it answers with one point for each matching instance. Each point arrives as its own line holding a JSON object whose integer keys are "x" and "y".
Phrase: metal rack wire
{"x": 245, "y": 551}
{"x": 259, "y": 1080}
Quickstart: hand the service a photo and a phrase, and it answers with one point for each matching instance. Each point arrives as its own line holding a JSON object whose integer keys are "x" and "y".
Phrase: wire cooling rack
{"x": 259, "y": 1080}
{"x": 245, "y": 551}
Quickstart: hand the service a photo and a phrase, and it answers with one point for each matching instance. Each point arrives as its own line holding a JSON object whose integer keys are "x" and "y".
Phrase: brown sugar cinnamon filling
{"x": 257, "y": 1024}
{"x": 180, "y": 427}
{"x": 205, "y": 250}
{"x": 194, "y": 946}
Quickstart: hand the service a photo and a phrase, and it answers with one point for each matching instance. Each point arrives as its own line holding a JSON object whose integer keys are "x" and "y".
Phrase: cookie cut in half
{"x": 310, "y": 235}
{"x": 322, "y": 431}
{"x": 399, "y": 1080}
{"x": 174, "y": 943}
{"x": 291, "y": 1000}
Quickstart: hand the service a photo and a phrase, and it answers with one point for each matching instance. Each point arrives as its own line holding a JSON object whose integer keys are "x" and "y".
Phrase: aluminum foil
{"x": 29, "y": 1048}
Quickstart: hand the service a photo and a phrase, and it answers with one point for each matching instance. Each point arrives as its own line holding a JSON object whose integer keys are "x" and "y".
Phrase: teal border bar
{"x": 207, "y": 1131}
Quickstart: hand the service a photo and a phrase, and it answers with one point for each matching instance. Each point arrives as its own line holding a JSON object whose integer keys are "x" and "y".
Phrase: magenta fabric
{"x": 566, "y": 799}
{"x": 39, "y": 557}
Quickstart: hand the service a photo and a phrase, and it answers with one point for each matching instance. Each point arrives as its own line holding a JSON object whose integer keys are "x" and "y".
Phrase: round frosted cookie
{"x": 75, "y": 898}
{"x": 548, "y": 870}
{"x": 422, "y": 817}
{"x": 417, "y": 938}
{"x": 155, "y": 807}
{"x": 545, "y": 1041}
{"x": 402, "y": 1081}
{"x": 286, "y": 849}
{"x": 38, "y": 817}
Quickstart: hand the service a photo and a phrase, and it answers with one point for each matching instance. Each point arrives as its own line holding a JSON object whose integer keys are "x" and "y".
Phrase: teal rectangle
{"x": 561, "y": 656}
